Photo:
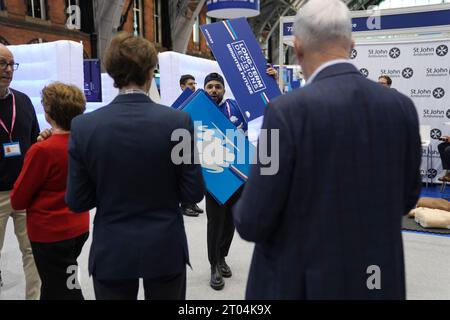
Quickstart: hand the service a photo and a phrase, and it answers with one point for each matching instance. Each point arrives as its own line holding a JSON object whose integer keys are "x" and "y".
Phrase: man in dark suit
{"x": 327, "y": 225}
{"x": 120, "y": 162}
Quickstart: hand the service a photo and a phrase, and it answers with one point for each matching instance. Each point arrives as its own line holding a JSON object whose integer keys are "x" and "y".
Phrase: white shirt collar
{"x": 132, "y": 91}
{"x": 324, "y": 66}
{"x": 8, "y": 93}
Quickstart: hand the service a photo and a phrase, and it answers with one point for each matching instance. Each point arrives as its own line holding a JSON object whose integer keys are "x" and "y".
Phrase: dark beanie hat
{"x": 214, "y": 76}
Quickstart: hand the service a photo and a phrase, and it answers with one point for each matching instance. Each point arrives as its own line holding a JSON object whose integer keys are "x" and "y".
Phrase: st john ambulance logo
{"x": 394, "y": 53}
{"x": 407, "y": 73}
{"x": 442, "y": 50}
{"x": 435, "y": 134}
{"x": 432, "y": 173}
{"x": 364, "y": 72}
{"x": 448, "y": 113}
{"x": 438, "y": 93}
{"x": 354, "y": 54}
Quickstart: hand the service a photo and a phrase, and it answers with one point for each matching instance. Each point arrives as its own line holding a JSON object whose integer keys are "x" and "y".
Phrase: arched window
{"x": 36, "y": 40}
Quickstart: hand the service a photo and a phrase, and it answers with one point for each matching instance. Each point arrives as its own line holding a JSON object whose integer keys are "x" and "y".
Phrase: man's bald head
{"x": 6, "y": 73}
{"x": 5, "y": 52}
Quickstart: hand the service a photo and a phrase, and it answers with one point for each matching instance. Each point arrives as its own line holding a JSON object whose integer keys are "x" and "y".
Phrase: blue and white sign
{"x": 224, "y": 152}
{"x": 408, "y": 20}
{"x": 243, "y": 64}
{"x": 92, "y": 80}
{"x": 403, "y": 21}
{"x": 230, "y": 9}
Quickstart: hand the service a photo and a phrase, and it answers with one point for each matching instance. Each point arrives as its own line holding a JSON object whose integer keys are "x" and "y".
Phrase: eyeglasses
{"x": 4, "y": 65}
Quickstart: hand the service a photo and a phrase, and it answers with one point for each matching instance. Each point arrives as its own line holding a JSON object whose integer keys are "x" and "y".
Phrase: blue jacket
{"x": 350, "y": 156}
{"x": 120, "y": 163}
{"x": 231, "y": 110}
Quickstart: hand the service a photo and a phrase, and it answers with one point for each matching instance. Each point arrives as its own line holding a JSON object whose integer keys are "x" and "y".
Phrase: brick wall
{"x": 17, "y": 28}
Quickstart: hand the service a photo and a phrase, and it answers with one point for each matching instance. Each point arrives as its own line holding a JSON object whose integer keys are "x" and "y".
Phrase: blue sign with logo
{"x": 218, "y": 5}
{"x": 225, "y": 153}
{"x": 394, "y": 21}
{"x": 92, "y": 80}
{"x": 288, "y": 29}
{"x": 243, "y": 64}
{"x": 404, "y": 21}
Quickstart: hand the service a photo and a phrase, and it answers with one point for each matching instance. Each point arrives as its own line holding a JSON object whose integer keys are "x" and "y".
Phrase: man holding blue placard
{"x": 220, "y": 220}
{"x": 220, "y": 230}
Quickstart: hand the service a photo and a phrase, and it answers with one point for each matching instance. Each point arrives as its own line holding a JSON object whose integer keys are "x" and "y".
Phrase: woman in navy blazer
{"x": 120, "y": 162}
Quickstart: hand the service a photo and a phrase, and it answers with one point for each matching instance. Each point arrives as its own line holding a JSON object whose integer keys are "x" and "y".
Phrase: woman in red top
{"x": 57, "y": 235}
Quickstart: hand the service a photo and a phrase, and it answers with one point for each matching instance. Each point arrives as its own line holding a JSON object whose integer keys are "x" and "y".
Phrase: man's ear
{"x": 298, "y": 46}
{"x": 151, "y": 74}
{"x": 352, "y": 45}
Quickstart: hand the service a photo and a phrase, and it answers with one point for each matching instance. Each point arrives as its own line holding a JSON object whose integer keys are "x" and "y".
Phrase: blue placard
{"x": 243, "y": 64}
{"x": 92, "y": 80}
{"x": 213, "y": 131}
{"x": 182, "y": 98}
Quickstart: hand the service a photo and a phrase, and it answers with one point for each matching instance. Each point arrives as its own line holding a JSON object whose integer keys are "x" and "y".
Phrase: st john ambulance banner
{"x": 421, "y": 71}
{"x": 238, "y": 53}
{"x": 224, "y": 152}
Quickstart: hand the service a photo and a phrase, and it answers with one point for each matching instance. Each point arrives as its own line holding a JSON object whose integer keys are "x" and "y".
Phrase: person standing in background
{"x": 120, "y": 161}
{"x": 19, "y": 129}
{"x": 189, "y": 209}
{"x": 385, "y": 80}
{"x": 57, "y": 234}
{"x": 335, "y": 234}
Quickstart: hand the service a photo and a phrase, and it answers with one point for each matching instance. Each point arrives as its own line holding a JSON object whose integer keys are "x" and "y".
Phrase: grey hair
{"x": 321, "y": 22}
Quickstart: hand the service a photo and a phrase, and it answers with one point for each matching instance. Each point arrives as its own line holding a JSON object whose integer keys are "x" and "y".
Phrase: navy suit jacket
{"x": 349, "y": 163}
{"x": 120, "y": 162}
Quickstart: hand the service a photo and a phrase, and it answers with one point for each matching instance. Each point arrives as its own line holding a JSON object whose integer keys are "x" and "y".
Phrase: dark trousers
{"x": 444, "y": 151}
{"x": 220, "y": 230}
{"x": 162, "y": 288}
{"x": 57, "y": 266}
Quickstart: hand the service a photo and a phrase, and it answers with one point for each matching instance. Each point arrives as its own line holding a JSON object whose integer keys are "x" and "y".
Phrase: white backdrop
{"x": 421, "y": 71}
{"x": 43, "y": 63}
{"x": 173, "y": 65}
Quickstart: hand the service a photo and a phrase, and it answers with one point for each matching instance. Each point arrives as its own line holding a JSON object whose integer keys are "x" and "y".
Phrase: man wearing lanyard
{"x": 19, "y": 129}
{"x": 220, "y": 229}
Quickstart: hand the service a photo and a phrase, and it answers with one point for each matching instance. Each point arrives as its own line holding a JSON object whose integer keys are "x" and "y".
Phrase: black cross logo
{"x": 394, "y": 53}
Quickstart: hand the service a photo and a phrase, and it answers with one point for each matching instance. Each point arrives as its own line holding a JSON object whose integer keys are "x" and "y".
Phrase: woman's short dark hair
{"x": 129, "y": 59}
{"x": 63, "y": 102}
{"x": 185, "y": 77}
{"x": 387, "y": 78}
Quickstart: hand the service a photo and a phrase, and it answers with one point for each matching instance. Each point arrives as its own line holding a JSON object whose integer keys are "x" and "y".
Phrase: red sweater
{"x": 40, "y": 189}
